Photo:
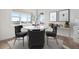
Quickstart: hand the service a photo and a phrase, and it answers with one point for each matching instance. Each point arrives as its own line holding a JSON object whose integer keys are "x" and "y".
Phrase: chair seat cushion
{"x": 21, "y": 34}
{"x": 52, "y": 34}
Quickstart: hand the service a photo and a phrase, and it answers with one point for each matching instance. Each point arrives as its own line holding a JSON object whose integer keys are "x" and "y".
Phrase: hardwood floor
{"x": 67, "y": 41}
{"x": 5, "y": 44}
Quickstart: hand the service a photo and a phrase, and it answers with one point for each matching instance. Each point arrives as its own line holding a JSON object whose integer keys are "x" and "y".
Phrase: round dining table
{"x": 36, "y": 28}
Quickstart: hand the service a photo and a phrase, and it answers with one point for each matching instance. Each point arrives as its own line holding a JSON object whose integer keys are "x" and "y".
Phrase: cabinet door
{"x": 64, "y": 32}
{"x": 76, "y": 32}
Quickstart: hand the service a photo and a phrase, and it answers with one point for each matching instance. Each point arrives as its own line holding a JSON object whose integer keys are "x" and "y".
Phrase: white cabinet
{"x": 64, "y": 32}
{"x": 76, "y": 32}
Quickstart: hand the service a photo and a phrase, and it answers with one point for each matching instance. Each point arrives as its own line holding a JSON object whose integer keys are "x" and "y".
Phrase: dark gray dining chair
{"x": 52, "y": 33}
{"x": 19, "y": 34}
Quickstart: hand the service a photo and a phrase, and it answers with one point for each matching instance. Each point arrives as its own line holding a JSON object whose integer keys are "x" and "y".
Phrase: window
{"x": 41, "y": 18}
{"x": 53, "y": 16}
{"x": 29, "y": 18}
{"x": 23, "y": 18}
{"x": 19, "y": 18}
{"x": 15, "y": 20}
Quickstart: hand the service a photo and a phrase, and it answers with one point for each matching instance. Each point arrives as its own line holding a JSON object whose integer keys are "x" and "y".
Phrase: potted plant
{"x": 67, "y": 24}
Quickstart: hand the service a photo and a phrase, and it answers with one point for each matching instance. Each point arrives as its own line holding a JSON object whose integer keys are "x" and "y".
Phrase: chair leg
{"x": 47, "y": 40}
{"x": 56, "y": 40}
{"x": 23, "y": 41}
{"x": 9, "y": 45}
{"x": 15, "y": 40}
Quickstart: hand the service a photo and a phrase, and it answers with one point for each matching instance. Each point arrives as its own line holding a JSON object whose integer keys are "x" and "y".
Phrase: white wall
{"x": 74, "y": 16}
{"x": 6, "y": 29}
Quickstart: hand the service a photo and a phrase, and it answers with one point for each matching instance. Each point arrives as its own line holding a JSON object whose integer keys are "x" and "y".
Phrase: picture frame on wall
{"x": 64, "y": 15}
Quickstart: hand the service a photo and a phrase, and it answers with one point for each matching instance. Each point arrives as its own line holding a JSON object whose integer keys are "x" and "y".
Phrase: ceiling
{"x": 35, "y": 10}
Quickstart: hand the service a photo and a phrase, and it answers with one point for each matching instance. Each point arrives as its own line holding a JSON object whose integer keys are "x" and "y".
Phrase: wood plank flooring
{"x": 67, "y": 41}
